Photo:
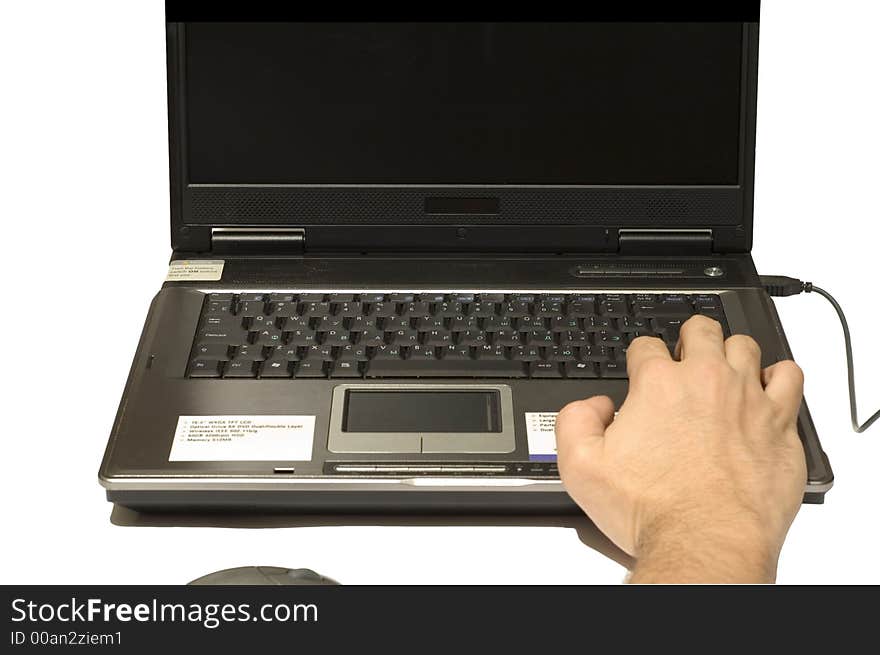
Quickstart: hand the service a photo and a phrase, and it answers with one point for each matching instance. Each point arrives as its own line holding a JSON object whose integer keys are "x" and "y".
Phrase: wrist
{"x": 704, "y": 550}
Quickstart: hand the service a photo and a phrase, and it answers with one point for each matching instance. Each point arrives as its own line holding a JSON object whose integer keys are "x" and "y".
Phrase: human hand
{"x": 702, "y": 472}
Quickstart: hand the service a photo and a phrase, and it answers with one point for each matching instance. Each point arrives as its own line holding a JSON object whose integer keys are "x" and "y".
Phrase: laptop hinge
{"x": 665, "y": 242}
{"x": 257, "y": 241}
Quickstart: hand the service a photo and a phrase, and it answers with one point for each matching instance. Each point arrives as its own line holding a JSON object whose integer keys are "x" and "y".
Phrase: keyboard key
{"x": 612, "y": 370}
{"x": 310, "y": 368}
{"x": 484, "y": 309}
{"x": 205, "y": 368}
{"x": 276, "y": 368}
{"x": 340, "y": 337}
{"x": 240, "y": 369}
{"x": 387, "y": 352}
{"x": 455, "y": 352}
{"x": 490, "y": 352}
{"x": 526, "y": 353}
{"x": 301, "y": 337}
{"x": 252, "y": 352}
{"x": 222, "y": 336}
{"x": 472, "y": 337}
{"x": 545, "y": 370}
{"x": 268, "y": 337}
{"x": 348, "y": 309}
{"x": 560, "y": 354}
{"x": 212, "y": 351}
{"x": 581, "y": 370}
{"x": 614, "y": 306}
{"x": 283, "y": 309}
{"x": 249, "y": 308}
{"x": 345, "y": 369}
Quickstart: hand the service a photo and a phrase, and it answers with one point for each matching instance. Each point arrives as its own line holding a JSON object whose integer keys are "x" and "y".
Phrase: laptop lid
{"x": 512, "y": 136}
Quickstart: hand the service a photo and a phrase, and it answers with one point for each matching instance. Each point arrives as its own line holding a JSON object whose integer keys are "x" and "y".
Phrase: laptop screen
{"x": 460, "y": 104}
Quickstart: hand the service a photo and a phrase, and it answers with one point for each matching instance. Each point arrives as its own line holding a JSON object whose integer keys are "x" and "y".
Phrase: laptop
{"x": 400, "y": 248}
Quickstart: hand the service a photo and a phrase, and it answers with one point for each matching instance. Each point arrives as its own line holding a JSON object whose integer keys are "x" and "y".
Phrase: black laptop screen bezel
{"x": 547, "y": 218}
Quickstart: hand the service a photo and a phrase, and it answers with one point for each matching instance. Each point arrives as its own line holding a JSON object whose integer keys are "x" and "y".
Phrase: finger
{"x": 582, "y": 424}
{"x": 701, "y": 337}
{"x": 744, "y": 355}
{"x": 643, "y": 350}
{"x": 784, "y": 384}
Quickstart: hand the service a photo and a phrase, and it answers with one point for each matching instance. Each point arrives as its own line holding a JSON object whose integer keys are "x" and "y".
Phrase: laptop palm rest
{"x": 421, "y": 418}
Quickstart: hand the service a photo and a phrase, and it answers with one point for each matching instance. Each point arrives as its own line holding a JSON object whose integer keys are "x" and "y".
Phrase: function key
{"x": 581, "y": 308}
{"x": 341, "y": 297}
{"x": 614, "y": 305}
{"x": 582, "y": 297}
{"x": 402, "y": 297}
{"x": 707, "y": 301}
{"x": 432, "y": 297}
{"x": 372, "y": 297}
{"x": 545, "y": 297}
{"x": 251, "y": 297}
{"x": 220, "y": 297}
{"x": 465, "y": 298}
{"x": 282, "y": 297}
{"x": 523, "y": 297}
{"x": 311, "y": 297}
{"x": 491, "y": 297}
{"x": 205, "y": 368}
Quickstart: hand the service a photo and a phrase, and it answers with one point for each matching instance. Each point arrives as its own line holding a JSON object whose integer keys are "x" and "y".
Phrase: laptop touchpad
{"x": 421, "y": 418}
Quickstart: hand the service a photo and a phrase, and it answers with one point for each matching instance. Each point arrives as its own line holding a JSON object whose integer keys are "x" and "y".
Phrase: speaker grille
{"x": 340, "y": 206}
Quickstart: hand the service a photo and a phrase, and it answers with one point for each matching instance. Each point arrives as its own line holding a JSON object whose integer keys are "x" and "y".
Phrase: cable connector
{"x": 780, "y": 286}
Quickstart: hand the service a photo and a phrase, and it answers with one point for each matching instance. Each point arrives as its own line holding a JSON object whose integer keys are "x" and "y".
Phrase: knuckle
{"x": 655, "y": 367}
{"x": 643, "y": 342}
{"x": 789, "y": 369}
{"x": 745, "y": 343}
{"x": 702, "y": 323}
{"x": 710, "y": 373}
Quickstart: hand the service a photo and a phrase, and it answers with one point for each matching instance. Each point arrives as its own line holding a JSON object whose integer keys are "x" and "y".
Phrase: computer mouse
{"x": 263, "y": 575}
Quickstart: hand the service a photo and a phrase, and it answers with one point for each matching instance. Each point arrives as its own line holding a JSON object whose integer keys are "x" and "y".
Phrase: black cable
{"x": 787, "y": 286}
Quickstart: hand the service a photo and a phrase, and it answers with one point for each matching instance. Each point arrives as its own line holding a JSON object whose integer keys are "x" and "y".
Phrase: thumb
{"x": 582, "y": 424}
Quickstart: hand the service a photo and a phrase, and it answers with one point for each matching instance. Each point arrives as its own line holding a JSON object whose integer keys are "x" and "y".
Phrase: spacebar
{"x": 414, "y": 368}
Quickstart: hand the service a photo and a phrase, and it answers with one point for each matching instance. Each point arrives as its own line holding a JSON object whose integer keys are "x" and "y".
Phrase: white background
{"x": 83, "y": 157}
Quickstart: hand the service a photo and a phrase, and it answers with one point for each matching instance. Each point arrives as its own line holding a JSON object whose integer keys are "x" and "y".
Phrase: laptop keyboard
{"x": 433, "y": 335}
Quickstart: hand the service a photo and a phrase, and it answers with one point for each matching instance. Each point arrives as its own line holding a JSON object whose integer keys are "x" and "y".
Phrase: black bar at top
{"x": 747, "y": 11}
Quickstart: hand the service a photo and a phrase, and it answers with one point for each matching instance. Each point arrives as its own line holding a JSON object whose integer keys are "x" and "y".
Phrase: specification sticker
{"x": 541, "y": 431}
{"x": 242, "y": 438}
{"x": 205, "y": 270}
